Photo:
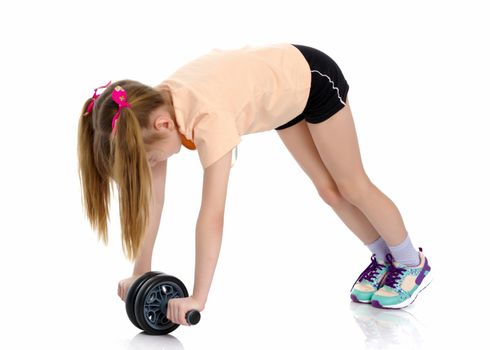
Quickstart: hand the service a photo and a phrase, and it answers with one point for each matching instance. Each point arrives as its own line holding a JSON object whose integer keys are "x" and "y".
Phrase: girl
{"x": 128, "y": 133}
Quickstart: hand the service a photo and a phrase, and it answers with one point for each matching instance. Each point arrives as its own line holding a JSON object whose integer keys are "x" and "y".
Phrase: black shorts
{"x": 328, "y": 90}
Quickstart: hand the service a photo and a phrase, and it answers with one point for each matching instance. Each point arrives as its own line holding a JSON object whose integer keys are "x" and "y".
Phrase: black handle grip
{"x": 192, "y": 317}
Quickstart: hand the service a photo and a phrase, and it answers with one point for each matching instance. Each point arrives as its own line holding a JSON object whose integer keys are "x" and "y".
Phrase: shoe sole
{"x": 427, "y": 280}
{"x": 355, "y": 299}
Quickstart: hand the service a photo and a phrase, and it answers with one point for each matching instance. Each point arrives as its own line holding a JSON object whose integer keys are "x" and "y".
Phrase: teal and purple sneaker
{"x": 369, "y": 281}
{"x": 402, "y": 284}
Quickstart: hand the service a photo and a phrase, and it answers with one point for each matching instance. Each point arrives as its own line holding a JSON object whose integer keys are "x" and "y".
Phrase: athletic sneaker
{"x": 369, "y": 281}
{"x": 402, "y": 284}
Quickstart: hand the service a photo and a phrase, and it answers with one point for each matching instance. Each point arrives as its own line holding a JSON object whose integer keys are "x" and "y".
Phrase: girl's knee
{"x": 330, "y": 194}
{"x": 356, "y": 191}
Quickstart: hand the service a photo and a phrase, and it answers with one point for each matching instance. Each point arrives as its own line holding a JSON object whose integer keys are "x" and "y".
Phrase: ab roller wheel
{"x": 147, "y": 299}
{"x": 131, "y": 296}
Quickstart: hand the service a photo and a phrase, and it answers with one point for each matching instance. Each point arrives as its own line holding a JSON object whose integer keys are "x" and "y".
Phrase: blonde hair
{"x": 104, "y": 156}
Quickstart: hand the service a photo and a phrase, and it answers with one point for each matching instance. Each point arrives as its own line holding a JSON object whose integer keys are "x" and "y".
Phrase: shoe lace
{"x": 394, "y": 273}
{"x": 371, "y": 271}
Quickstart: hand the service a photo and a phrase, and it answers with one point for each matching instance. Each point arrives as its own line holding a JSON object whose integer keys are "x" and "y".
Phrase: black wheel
{"x": 133, "y": 291}
{"x": 151, "y": 303}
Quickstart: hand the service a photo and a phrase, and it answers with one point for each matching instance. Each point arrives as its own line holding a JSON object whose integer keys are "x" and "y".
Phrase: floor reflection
{"x": 388, "y": 329}
{"x": 155, "y": 342}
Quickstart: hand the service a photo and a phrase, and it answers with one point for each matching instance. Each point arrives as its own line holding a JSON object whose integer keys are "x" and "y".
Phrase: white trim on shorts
{"x": 333, "y": 85}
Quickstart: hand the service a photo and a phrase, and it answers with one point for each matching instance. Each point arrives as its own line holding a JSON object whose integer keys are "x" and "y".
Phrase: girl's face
{"x": 164, "y": 128}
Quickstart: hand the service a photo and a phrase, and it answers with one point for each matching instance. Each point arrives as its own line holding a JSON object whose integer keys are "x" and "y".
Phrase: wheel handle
{"x": 192, "y": 317}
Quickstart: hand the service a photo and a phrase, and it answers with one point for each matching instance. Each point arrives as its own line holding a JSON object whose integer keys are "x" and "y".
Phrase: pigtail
{"x": 94, "y": 183}
{"x": 133, "y": 177}
{"x": 118, "y": 156}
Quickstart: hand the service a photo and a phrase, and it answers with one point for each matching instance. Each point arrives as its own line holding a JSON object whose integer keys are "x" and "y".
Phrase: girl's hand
{"x": 178, "y": 307}
{"x": 124, "y": 285}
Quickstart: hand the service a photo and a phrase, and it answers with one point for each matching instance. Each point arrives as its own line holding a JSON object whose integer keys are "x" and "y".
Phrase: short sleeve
{"x": 215, "y": 134}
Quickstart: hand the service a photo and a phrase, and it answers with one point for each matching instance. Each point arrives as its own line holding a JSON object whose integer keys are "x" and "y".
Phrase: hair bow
{"x": 94, "y": 97}
{"x": 119, "y": 96}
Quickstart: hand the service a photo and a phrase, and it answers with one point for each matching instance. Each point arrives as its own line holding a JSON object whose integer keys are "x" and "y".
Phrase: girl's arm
{"x": 209, "y": 226}
{"x": 143, "y": 262}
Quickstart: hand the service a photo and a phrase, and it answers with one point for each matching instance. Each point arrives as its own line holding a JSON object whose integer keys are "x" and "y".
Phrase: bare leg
{"x": 298, "y": 141}
{"x": 337, "y": 144}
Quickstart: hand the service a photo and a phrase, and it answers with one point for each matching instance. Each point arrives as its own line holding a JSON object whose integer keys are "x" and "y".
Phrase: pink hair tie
{"x": 94, "y": 97}
{"x": 119, "y": 96}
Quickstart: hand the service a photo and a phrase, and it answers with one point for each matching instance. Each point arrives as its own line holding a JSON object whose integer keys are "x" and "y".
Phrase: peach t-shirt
{"x": 224, "y": 94}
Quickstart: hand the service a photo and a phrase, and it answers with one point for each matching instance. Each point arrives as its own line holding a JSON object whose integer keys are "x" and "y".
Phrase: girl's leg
{"x": 298, "y": 141}
{"x": 337, "y": 144}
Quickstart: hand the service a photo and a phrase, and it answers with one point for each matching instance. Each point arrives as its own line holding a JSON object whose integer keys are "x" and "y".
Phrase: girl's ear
{"x": 163, "y": 121}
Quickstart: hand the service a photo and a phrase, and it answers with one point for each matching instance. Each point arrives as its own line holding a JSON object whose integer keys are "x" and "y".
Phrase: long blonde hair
{"x": 104, "y": 156}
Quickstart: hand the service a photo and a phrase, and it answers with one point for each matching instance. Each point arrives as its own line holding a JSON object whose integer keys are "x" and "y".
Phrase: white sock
{"x": 405, "y": 253}
{"x": 379, "y": 248}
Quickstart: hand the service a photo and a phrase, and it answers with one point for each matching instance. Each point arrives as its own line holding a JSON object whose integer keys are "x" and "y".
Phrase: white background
{"x": 419, "y": 76}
